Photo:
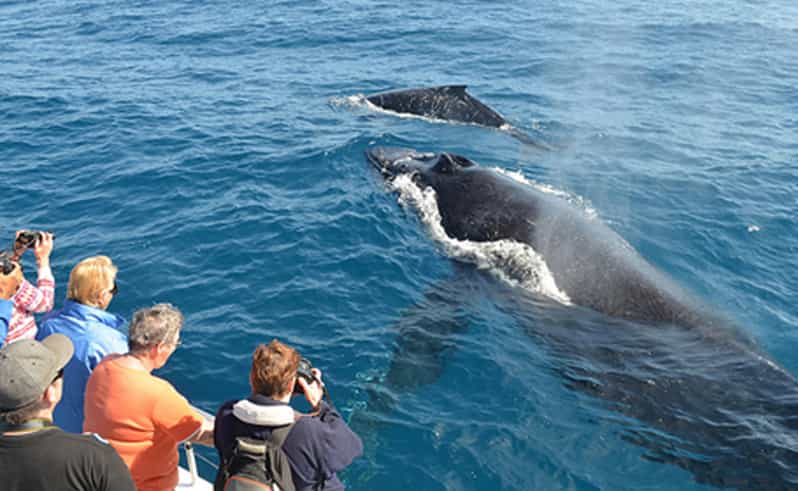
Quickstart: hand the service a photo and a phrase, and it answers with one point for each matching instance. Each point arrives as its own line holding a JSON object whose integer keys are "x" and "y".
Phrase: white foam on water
{"x": 350, "y": 101}
{"x": 516, "y": 263}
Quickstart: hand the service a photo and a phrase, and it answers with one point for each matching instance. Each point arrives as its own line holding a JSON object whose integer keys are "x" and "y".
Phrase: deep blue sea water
{"x": 215, "y": 151}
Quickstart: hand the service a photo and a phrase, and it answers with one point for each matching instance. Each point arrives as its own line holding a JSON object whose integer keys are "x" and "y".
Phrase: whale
{"x": 447, "y": 103}
{"x": 694, "y": 390}
{"x": 594, "y": 266}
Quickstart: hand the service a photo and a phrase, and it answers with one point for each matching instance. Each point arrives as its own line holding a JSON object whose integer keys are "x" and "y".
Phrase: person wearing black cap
{"x": 34, "y": 454}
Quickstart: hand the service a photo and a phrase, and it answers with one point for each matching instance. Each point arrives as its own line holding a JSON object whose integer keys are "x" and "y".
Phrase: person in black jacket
{"x": 318, "y": 446}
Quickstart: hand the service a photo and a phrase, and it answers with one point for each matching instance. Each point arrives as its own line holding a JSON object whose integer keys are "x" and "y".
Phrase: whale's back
{"x": 589, "y": 261}
{"x": 448, "y": 102}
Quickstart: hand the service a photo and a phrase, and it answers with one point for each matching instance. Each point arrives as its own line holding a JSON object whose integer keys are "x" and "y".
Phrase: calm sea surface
{"x": 215, "y": 151}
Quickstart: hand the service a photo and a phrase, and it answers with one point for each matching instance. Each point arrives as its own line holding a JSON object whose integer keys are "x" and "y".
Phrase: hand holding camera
{"x": 309, "y": 383}
{"x": 41, "y": 242}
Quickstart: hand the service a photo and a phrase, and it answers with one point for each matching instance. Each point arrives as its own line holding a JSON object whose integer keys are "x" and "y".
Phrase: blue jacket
{"x": 6, "y": 307}
{"x": 317, "y": 446}
{"x": 94, "y": 334}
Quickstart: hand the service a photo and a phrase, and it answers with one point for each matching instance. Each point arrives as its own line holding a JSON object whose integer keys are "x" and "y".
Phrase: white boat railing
{"x": 195, "y": 481}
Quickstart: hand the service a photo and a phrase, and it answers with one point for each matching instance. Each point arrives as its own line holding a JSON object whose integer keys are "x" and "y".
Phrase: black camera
{"x": 7, "y": 263}
{"x": 27, "y": 239}
{"x": 304, "y": 371}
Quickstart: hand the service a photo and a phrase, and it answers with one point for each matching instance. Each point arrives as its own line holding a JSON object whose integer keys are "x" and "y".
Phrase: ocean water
{"x": 215, "y": 150}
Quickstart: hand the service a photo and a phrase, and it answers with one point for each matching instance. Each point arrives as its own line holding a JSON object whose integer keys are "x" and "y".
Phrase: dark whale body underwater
{"x": 694, "y": 391}
{"x": 447, "y": 103}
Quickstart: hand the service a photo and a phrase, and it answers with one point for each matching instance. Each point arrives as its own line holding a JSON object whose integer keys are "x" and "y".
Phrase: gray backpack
{"x": 257, "y": 465}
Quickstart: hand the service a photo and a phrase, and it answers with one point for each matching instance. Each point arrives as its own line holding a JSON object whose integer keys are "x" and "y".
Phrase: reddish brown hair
{"x": 273, "y": 369}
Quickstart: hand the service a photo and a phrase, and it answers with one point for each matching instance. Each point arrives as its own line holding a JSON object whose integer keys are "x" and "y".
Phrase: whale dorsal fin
{"x": 449, "y": 163}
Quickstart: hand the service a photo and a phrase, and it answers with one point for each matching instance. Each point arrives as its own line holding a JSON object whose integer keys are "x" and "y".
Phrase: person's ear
{"x": 52, "y": 394}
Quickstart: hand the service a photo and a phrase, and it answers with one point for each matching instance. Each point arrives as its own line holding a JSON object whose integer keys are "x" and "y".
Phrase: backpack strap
{"x": 280, "y": 433}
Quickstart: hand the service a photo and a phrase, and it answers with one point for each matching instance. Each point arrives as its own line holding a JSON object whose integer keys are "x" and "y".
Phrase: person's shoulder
{"x": 105, "y": 339}
{"x": 55, "y": 320}
{"x": 160, "y": 382}
{"x": 224, "y": 415}
{"x": 308, "y": 435}
{"x": 82, "y": 443}
{"x": 167, "y": 394}
{"x": 227, "y": 406}
{"x": 147, "y": 384}
{"x": 327, "y": 426}
{"x": 326, "y": 413}
{"x": 308, "y": 424}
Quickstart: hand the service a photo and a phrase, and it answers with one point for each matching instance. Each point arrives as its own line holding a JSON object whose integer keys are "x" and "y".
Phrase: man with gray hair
{"x": 143, "y": 416}
{"x": 34, "y": 454}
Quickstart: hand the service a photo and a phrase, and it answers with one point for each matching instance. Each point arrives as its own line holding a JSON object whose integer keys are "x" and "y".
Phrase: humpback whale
{"x": 696, "y": 392}
{"x": 448, "y": 103}
{"x": 590, "y": 263}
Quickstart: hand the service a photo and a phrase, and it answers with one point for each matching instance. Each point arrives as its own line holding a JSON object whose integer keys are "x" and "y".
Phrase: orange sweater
{"x": 143, "y": 417}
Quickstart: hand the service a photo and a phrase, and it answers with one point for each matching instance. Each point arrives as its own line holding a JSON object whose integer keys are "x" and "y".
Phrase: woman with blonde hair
{"x": 93, "y": 331}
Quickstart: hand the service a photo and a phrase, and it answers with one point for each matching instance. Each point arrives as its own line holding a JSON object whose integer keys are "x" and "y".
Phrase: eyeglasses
{"x": 114, "y": 290}
{"x": 58, "y": 375}
{"x": 176, "y": 343}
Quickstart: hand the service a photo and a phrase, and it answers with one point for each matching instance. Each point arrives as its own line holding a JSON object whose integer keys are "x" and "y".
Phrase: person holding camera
{"x": 29, "y": 299}
{"x": 318, "y": 445}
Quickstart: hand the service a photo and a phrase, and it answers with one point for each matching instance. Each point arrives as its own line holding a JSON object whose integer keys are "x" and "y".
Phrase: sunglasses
{"x": 58, "y": 375}
{"x": 114, "y": 290}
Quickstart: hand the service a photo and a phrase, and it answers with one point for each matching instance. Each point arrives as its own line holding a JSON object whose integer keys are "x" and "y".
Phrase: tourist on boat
{"x": 141, "y": 415}
{"x": 5, "y": 315}
{"x": 318, "y": 445}
{"x": 29, "y": 299}
{"x": 35, "y": 454}
{"x": 9, "y": 282}
{"x": 93, "y": 330}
